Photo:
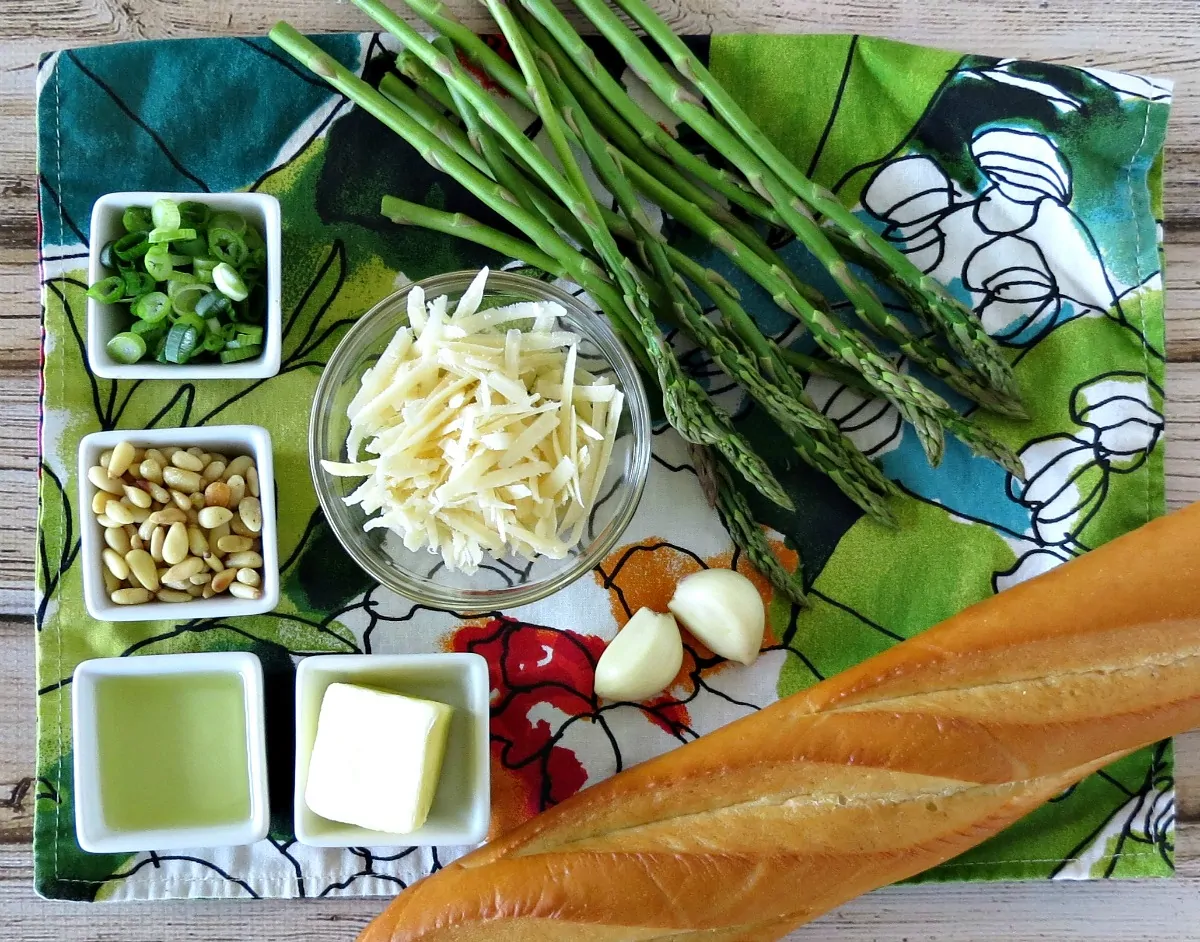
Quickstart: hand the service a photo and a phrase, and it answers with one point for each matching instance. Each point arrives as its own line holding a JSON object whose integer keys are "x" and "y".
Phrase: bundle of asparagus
{"x": 636, "y": 278}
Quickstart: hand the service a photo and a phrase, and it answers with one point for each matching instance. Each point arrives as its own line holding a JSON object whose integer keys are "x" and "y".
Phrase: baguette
{"x": 874, "y": 775}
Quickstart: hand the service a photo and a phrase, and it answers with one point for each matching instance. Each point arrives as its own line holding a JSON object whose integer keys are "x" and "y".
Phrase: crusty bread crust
{"x": 883, "y": 771}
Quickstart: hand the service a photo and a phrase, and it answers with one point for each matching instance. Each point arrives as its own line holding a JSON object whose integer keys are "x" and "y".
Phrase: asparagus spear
{"x": 420, "y": 75}
{"x": 963, "y": 331}
{"x": 723, "y": 494}
{"x": 405, "y": 98}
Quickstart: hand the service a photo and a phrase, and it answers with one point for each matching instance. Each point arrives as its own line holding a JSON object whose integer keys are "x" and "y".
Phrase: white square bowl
{"x": 252, "y": 440}
{"x": 93, "y": 834}
{"x": 104, "y": 321}
{"x": 462, "y": 805}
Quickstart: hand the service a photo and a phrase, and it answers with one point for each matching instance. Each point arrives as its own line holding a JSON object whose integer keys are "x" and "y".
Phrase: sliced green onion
{"x": 126, "y": 348}
{"x": 108, "y": 258}
{"x": 188, "y": 296}
{"x": 149, "y": 331}
{"x": 177, "y": 279}
{"x": 192, "y": 247}
{"x": 158, "y": 262}
{"x": 137, "y": 219}
{"x": 131, "y": 245}
{"x": 229, "y": 282}
{"x": 172, "y": 235}
{"x": 225, "y": 219}
{"x": 137, "y": 282}
{"x": 182, "y": 340}
{"x": 214, "y": 304}
{"x": 193, "y": 320}
{"x": 241, "y": 353}
{"x": 249, "y": 333}
{"x": 227, "y": 246}
{"x": 107, "y": 290}
{"x": 193, "y": 214}
{"x": 152, "y": 307}
{"x": 213, "y": 343}
{"x": 165, "y": 214}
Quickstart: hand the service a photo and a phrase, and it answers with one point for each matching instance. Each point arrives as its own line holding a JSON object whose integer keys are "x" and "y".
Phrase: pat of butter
{"x": 377, "y": 758}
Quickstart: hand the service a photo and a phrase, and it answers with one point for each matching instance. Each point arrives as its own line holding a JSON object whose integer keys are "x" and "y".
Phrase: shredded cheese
{"x": 481, "y": 437}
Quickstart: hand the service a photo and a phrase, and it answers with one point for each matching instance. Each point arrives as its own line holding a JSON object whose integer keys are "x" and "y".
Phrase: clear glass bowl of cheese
{"x": 500, "y": 581}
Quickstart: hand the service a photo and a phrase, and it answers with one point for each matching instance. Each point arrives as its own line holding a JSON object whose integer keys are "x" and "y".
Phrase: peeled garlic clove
{"x": 642, "y": 659}
{"x": 723, "y": 609}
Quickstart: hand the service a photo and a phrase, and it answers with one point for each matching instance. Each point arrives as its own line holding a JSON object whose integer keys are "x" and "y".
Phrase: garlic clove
{"x": 723, "y": 609}
{"x": 642, "y": 659}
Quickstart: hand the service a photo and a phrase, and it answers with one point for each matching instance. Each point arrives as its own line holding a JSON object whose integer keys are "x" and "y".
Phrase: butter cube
{"x": 377, "y": 758}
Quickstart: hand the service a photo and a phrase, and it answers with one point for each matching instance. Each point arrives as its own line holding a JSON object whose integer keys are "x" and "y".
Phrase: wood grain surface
{"x": 1161, "y": 37}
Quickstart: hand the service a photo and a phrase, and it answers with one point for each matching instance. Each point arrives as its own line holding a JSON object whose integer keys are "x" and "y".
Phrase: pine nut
{"x": 237, "y": 467}
{"x": 213, "y": 471}
{"x": 130, "y": 529}
{"x": 98, "y": 476}
{"x": 214, "y": 534}
{"x": 200, "y": 578}
{"x": 111, "y": 582}
{"x": 197, "y": 541}
{"x": 115, "y": 563}
{"x": 105, "y": 458}
{"x": 176, "y": 586}
{"x": 168, "y": 515}
{"x": 119, "y": 512}
{"x": 182, "y": 571}
{"x": 238, "y": 526}
{"x": 171, "y": 595}
{"x": 207, "y": 592}
{"x": 181, "y": 479}
{"x": 222, "y": 580}
{"x": 150, "y": 470}
{"x": 246, "y": 560}
{"x": 99, "y": 499}
{"x": 237, "y": 489}
{"x": 158, "y": 492}
{"x": 234, "y": 544}
{"x": 197, "y": 451}
{"x": 157, "y": 456}
{"x": 186, "y": 461}
{"x": 120, "y": 460}
{"x": 182, "y": 501}
{"x": 175, "y": 545}
{"x": 250, "y": 510}
{"x": 252, "y": 481}
{"x": 249, "y": 577}
{"x": 130, "y": 596}
{"x": 141, "y": 564}
{"x": 138, "y": 497}
{"x": 139, "y": 513}
{"x": 213, "y": 562}
{"x": 198, "y": 501}
{"x": 106, "y": 521}
{"x": 215, "y": 516}
{"x": 118, "y": 539}
{"x": 162, "y": 571}
{"x": 216, "y": 494}
{"x": 195, "y": 591}
{"x": 217, "y": 456}
{"x": 135, "y": 541}
{"x": 156, "y": 543}
{"x": 146, "y": 529}
{"x": 193, "y": 517}
{"x": 243, "y": 591}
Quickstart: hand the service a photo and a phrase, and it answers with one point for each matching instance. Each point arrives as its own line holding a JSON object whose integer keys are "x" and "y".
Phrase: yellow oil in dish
{"x": 172, "y": 751}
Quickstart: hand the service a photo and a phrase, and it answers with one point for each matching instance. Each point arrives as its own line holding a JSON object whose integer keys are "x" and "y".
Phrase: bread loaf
{"x": 890, "y": 768}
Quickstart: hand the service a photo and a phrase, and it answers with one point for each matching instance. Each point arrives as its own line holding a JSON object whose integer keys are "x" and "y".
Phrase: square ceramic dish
{"x": 104, "y": 321}
{"x": 246, "y": 439}
{"x": 462, "y": 805}
{"x": 92, "y": 827}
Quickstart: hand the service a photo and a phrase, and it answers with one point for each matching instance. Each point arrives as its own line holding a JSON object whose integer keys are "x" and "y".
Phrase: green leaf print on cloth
{"x": 1031, "y": 190}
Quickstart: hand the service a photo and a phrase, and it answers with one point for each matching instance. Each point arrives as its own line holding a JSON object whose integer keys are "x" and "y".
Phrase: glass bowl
{"x": 499, "y": 583}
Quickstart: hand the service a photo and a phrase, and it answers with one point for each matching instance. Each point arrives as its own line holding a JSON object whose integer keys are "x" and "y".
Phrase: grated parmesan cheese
{"x": 480, "y": 437}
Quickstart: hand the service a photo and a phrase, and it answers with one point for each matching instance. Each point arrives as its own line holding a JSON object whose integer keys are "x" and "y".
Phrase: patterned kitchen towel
{"x": 1031, "y": 190}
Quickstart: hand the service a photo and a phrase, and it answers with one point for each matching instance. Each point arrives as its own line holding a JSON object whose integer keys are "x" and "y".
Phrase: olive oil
{"x": 172, "y": 751}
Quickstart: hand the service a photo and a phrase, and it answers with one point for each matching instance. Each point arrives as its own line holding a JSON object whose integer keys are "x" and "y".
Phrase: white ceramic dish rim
{"x": 256, "y": 440}
{"x": 92, "y": 834}
{"x": 474, "y": 671}
{"x": 109, "y": 207}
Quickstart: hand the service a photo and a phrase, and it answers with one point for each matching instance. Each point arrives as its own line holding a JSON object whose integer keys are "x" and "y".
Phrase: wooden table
{"x": 1161, "y": 37}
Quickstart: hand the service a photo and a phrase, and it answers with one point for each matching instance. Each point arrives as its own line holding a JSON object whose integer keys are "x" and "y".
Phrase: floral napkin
{"x": 1032, "y": 190}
